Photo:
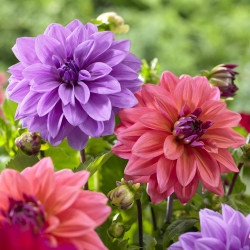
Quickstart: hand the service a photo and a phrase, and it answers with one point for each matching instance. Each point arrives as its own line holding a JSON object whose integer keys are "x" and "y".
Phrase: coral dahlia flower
{"x": 70, "y": 82}
{"x": 228, "y": 231}
{"x": 53, "y": 205}
{"x": 178, "y": 134}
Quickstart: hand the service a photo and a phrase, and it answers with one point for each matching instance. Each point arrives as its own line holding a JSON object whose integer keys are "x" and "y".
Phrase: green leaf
{"x": 176, "y": 228}
{"x": 149, "y": 242}
{"x": 9, "y": 109}
{"x": 22, "y": 161}
{"x": 93, "y": 165}
{"x": 97, "y": 146}
{"x": 246, "y": 178}
{"x": 239, "y": 185}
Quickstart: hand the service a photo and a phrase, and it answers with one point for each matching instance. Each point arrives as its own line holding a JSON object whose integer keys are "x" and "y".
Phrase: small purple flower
{"x": 229, "y": 231}
{"x": 71, "y": 81}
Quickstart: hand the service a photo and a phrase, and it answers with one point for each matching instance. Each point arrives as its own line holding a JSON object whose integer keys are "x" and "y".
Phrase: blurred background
{"x": 185, "y": 35}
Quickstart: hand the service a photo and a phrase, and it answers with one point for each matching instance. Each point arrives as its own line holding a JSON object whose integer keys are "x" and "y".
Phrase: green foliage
{"x": 149, "y": 71}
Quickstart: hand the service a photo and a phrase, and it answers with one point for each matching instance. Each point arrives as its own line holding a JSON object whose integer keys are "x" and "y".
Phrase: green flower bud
{"x": 246, "y": 150}
{"x": 29, "y": 143}
{"x": 116, "y": 230}
{"x": 115, "y": 22}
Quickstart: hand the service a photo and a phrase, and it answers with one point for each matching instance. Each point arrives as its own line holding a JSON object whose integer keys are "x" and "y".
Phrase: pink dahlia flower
{"x": 71, "y": 81}
{"x": 245, "y": 121}
{"x": 53, "y": 205}
{"x": 178, "y": 133}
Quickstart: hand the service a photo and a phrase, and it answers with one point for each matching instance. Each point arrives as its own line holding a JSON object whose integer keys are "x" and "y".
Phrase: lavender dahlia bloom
{"x": 229, "y": 231}
{"x": 71, "y": 81}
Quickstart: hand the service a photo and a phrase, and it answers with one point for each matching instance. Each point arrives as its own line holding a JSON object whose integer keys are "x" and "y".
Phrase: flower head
{"x": 245, "y": 121}
{"x": 231, "y": 230}
{"x": 70, "y": 82}
{"x": 53, "y": 205}
{"x": 177, "y": 135}
{"x": 223, "y": 77}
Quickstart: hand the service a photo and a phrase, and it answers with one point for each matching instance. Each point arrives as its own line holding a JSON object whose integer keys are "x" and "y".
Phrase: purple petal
{"x": 112, "y": 57}
{"x": 103, "y": 41}
{"x": 130, "y": 83}
{"x": 38, "y": 124}
{"x": 24, "y": 50}
{"x": 123, "y": 99}
{"x": 46, "y": 47}
{"x": 82, "y": 93}
{"x": 176, "y": 246}
{"x": 17, "y": 70}
{"x": 74, "y": 114}
{"x": 83, "y": 75}
{"x": 77, "y": 139}
{"x": 58, "y": 32}
{"x": 209, "y": 244}
{"x": 44, "y": 84}
{"x": 98, "y": 107}
{"x": 121, "y": 45}
{"x": 20, "y": 90}
{"x": 105, "y": 85}
{"x": 187, "y": 240}
{"x": 83, "y": 52}
{"x": 133, "y": 62}
{"x": 66, "y": 93}
{"x": 91, "y": 29}
{"x": 74, "y": 24}
{"x": 234, "y": 243}
{"x": 47, "y": 102}
{"x": 55, "y": 118}
{"x": 98, "y": 70}
{"x": 227, "y": 212}
{"x": 123, "y": 72}
{"x": 92, "y": 127}
{"x": 40, "y": 70}
{"x": 109, "y": 125}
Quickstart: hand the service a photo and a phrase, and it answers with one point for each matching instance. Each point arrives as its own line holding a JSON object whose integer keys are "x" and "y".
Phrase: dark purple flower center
{"x": 28, "y": 213}
{"x": 68, "y": 72}
{"x": 189, "y": 129}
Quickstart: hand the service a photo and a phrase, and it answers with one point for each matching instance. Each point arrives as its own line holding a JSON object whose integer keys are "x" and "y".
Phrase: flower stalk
{"x": 169, "y": 208}
{"x": 140, "y": 228}
{"x": 83, "y": 159}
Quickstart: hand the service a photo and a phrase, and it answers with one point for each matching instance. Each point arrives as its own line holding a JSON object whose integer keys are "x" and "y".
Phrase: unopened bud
{"x": 29, "y": 143}
{"x": 116, "y": 230}
{"x": 114, "y": 21}
{"x": 223, "y": 76}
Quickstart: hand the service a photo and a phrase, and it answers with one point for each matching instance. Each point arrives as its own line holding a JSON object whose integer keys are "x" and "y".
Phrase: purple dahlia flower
{"x": 71, "y": 81}
{"x": 229, "y": 231}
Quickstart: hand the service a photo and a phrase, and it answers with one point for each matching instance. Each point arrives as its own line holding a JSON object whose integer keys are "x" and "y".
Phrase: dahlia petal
{"x": 25, "y": 50}
{"x": 98, "y": 70}
{"x": 77, "y": 139}
{"x": 121, "y": 45}
{"x": 121, "y": 150}
{"x": 92, "y": 127}
{"x": 185, "y": 194}
{"x": 19, "y": 92}
{"x": 69, "y": 178}
{"x": 216, "y": 190}
{"x": 169, "y": 81}
{"x": 187, "y": 240}
{"x": 81, "y": 92}
{"x": 44, "y": 84}
{"x": 140, "y": 167}
{"x": 150, "y": 144}
{"x": 66, "y": 94}
{"x": 109, "y": 125}
{"x": 47, "y": 102}
{"x": 165, "y": 173}
{"x": 98, "y": 107}
{"x": 123, "y": 99}
{"x": 210, "y": 145}
{"x": 224, "y": 157}
{"x": 208, "y": 167}
{"x": 17, "y": 70}
{"x": 137, "y": 179}
{"x": 123, "y": 72}
{"x": 55, "y": 120}
{"x": 58, "y": 32}
{"x": 91, "y": 28}
{"x": 172, "y": 148}
{"x": 131, "y": 83}
{"x": 132, "y": 61}
{"x": 105, "y": 85}
{"x": 168, "y": 107}
{"x": 38, "y": 69}
{"x": 209, "y": 244}
{"x": 103, "y": 41}
{"x": 46, "y": 47}
{"x": 156, "y": 120}
{"x": 177, "y": 246}
{"x": 225, "y": 137}
{"x": 74, "y": 24}
{"x": 112, "y": 57}
{"x": 74, "y": 114}
{"x": 38, "y": 124}
{"x": 83, "y": 51}
{"x": 186, "y": 167}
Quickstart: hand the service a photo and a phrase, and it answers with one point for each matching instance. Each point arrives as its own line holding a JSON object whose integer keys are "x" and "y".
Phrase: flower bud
{"x": 246, "y": 150}
{"x": 116, "y": 230}
{"x": 223, "y": 76}
{"x": 29, "y": 143}
{"x": 115, "y": 22}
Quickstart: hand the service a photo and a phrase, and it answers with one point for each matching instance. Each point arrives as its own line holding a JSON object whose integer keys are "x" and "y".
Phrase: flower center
{"x": 188, "y": 128}
{"x": 68, "y": 72}
{"x": 28, "y": 213}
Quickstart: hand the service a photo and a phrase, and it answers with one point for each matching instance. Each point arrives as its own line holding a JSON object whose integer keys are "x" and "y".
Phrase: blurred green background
{"x": 185, "y": 35}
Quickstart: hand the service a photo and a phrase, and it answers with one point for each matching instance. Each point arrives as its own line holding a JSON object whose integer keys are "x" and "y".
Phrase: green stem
{"x": 83, "y": 159}
{"x": 139, "y": 211}
{"x": 169, "y": 208}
